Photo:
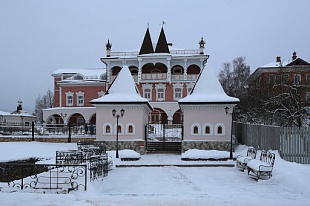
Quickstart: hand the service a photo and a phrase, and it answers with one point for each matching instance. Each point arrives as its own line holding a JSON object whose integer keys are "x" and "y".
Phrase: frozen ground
{"x": 168, "y": 185}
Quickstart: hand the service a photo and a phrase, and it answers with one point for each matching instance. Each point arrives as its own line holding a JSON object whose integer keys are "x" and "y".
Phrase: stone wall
{"x": 206, "y": 145}
{"x": 138, "y": 145}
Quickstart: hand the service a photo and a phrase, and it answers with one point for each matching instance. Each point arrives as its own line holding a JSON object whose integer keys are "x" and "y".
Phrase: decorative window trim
{"x": 122, "y": 129}
{"x": 192, "y": 129}
{"x": 78, "y": 95}
{"x": 133, "y": 129}
{"x": 69, "y": 94}
{"x": 189, "y": 87}
{"x": 204, "y": 129}
{"x": 147, "y": 86}
{"x": 216, "y": 129}
{"x": 175, "y": 87}
{"x": 160, "y": 86}
{"x": 104, "y": 129}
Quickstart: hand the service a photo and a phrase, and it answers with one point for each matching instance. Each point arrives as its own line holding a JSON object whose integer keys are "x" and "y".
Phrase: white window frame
{"x": 216, "y": 129}
{"x": 69, "y": 101}
{"x": 104, "y": 129}
{"x": 133, "y": 129}
{"x": 80, "y": 99}
{"x": 147, "y": 95}
{"x": 297, "y": 79}
{"x": 160, "y": 92}
{"x": 189, "y": 87}
{"x": 204, "y": 129}
{"x": 192, "y": 129}
{"x": 122, "y": 129}
{"x": 177, "y": 94}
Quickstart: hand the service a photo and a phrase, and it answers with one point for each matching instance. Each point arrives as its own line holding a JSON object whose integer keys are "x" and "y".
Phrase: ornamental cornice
{"x": 204, "y": 107}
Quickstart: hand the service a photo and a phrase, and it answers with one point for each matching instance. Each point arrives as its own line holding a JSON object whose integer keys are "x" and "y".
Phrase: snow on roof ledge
{"x": 208, "y": 89}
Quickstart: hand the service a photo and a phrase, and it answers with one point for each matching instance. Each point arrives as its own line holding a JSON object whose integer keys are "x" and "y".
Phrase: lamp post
{"x": 230, "y": 152}
{"x": 117, "y": 116}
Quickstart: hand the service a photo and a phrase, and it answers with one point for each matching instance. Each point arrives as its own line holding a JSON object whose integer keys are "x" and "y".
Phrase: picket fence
{"x": 293, "y": 143}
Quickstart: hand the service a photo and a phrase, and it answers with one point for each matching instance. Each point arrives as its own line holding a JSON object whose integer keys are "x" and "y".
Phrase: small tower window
{"x": 220, "y": 130}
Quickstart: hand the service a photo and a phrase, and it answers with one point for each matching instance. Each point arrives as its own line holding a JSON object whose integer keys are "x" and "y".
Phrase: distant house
{"x": 18, "y": 117}
{"x": 273, "y": 78}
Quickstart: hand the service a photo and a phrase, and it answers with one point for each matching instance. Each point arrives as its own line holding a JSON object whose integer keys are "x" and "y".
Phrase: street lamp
{"x": 117, "y": 116}
{"x": 230, "y": 152}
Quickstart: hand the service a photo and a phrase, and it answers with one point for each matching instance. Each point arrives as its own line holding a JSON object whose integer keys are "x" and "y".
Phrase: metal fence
{"x": 293, "y": 143}
{"x": 44, "y": 129}
{"x": 43, "y": 177}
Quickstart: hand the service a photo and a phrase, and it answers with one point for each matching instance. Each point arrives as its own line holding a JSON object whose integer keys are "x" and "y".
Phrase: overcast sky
{"x": 37, "y": 37}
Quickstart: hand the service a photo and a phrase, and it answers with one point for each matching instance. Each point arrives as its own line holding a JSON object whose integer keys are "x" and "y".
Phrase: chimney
{"x": 278, "y": 59}
{"x": 294, "y": 56}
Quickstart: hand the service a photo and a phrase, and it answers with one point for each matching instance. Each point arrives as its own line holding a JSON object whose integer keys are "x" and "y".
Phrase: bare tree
{"x": 233, "y": 76}
{"x": 43, "y": 102}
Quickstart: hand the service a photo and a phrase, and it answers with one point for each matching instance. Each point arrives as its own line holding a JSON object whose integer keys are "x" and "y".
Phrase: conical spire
{"x": 162, "y": 45}
{"x": 147, "y": 45}
{"x": 208, "y": 89}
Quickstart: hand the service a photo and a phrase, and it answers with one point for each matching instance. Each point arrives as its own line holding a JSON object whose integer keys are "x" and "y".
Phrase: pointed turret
{"x": 162, "y": 45}
{"x": 108, "y": 48}
{"x": 147, "y": 45}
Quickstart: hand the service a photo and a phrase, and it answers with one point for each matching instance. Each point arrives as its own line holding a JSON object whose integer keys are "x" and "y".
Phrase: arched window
{"x": 195, "y": 129}
{"x": 119, "y": 129}
{"x": 207, "y": 129}
{"x": 130, "y": 129}
{"x": 107, "y": 129}
{"x": 219, "y": 129}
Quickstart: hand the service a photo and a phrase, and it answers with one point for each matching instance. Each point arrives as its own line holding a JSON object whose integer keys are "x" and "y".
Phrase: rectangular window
{"x": 147, "y": 93}
{"x": 69, "y": 100}
{"x": 297, "y": 79}
{"x": 160, "y": 93}
{"x": 177, "y": 93}
{"x": 271, "y": 79}
{"x": 285, "y": 79}
{"x": 80, "y": 101}
{"x": 308, "y": 78}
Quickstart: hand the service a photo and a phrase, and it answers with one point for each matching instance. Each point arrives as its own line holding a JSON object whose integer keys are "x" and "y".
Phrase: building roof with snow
{"x": 122, "y": 90}
{"x": 208, "y": 89}
{"x": 90, "y": 74}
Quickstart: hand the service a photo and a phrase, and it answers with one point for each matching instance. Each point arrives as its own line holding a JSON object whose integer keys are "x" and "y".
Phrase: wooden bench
{"x": 262, "y": 168}
{"x": 242, "y": 161}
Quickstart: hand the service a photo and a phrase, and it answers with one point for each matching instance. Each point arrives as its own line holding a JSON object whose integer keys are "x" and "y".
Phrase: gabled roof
{"x": 208, "y": 89}
{"x": 122, "y": 90}
{"x": 147, "y": 45}
{"x": 298, "y": 62}
{"x": 162, "y": 45}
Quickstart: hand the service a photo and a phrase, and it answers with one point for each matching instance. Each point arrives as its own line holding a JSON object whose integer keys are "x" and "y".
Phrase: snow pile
{"x": 129, "y": 154}
{"x": 205, "y": 154}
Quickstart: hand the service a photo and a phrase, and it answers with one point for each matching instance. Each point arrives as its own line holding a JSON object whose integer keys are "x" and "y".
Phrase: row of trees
{"x": 284, "y": 107}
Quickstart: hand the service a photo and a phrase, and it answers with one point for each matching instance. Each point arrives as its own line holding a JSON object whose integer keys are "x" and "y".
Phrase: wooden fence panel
{"x": 293, "y": 143}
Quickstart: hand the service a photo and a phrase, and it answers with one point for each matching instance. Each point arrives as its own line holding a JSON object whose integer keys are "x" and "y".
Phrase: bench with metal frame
{"x": 242, "y": 161}
{"x": 262, "y": 168}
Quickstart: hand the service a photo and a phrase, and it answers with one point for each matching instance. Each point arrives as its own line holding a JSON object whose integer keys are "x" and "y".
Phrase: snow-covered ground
{"x": 167, "y": 185}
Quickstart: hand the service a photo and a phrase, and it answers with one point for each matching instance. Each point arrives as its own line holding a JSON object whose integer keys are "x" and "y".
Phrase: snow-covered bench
{"x": 262, "y": 167}
{"x": 242, "y": 161}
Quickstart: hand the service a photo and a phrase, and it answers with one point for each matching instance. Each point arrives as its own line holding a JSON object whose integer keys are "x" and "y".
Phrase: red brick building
{"x": 274, "y": 78}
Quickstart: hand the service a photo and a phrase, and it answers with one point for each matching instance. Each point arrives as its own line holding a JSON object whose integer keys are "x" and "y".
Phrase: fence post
{"x": 69, "y": 137}
{"x": 32, "y": 130}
